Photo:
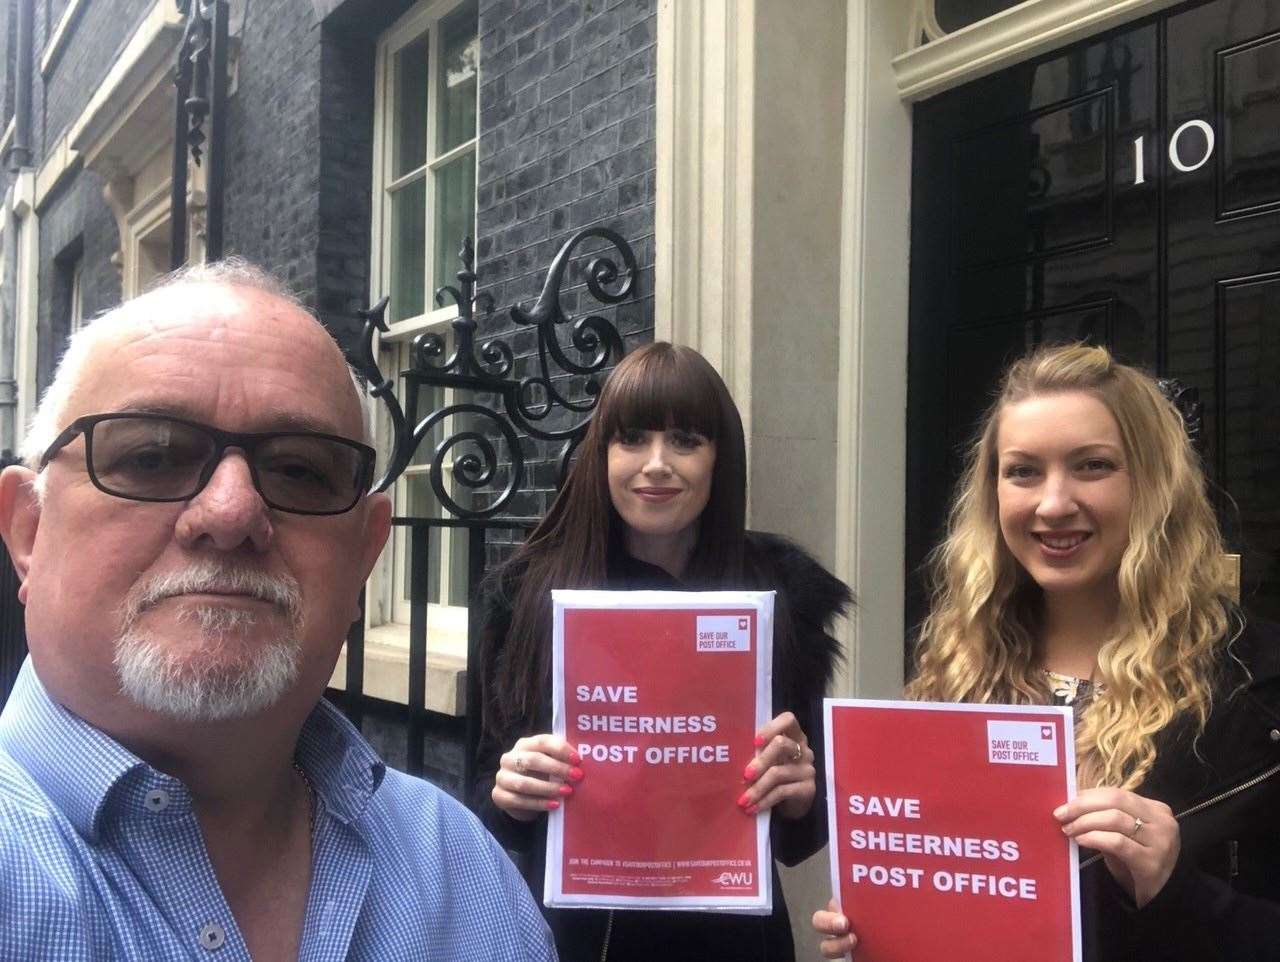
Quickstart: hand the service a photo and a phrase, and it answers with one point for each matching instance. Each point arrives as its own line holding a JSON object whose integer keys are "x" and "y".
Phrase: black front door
{"x": 1125, "y": 191}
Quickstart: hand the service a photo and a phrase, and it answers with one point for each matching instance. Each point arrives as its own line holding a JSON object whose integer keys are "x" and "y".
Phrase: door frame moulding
{"x": 872, "y": 388}
{"x": 705, "y": 161}
{"x": 1008, "y": 38}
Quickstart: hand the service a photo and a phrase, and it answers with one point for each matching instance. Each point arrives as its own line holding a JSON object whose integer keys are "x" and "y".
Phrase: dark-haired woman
{"x": 656, "y": 500}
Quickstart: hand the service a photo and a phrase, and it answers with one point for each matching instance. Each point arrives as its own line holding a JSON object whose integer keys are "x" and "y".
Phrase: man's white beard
{"x": 209, "y": 684}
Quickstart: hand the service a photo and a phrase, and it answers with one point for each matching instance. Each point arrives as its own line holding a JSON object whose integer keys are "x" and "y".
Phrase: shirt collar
{"x": 342, "y": 766}
{"x": 77, "y": 765}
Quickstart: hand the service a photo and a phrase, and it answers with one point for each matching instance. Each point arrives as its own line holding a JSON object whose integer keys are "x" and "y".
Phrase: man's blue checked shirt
{"x": 101, "y": 858}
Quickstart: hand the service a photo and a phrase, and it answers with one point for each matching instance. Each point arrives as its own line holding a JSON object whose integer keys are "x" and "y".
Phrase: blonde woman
{"x": 1083, "y": 565}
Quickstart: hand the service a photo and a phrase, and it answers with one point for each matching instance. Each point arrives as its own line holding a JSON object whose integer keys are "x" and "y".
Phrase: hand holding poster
{"x": 660, "y": 693}
{"x": 943, "y": 841}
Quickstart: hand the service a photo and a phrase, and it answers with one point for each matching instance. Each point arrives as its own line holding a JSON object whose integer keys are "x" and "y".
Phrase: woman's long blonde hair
{"x": 978, "y": 643}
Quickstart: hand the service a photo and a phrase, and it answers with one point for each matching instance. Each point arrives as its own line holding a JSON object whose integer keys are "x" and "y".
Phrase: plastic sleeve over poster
{"x": 661, "y": 694}
{"x": 944, "y": 812}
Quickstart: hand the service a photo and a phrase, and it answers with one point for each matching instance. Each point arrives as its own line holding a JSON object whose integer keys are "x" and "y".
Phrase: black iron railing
{"x": 495, "y": 409}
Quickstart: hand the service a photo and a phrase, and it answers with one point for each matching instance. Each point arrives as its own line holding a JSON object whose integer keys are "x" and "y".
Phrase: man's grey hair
{"x": 50, "y": 416}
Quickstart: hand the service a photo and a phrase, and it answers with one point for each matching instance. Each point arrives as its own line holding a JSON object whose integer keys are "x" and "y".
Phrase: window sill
{"x": 386, "y": 672}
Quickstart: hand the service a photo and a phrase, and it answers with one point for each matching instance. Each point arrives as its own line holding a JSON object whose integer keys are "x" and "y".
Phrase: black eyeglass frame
{"x": 247, "y": 442}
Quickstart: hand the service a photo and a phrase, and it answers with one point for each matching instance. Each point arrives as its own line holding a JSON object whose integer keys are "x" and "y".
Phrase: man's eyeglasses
{"x": 153, "y": 457}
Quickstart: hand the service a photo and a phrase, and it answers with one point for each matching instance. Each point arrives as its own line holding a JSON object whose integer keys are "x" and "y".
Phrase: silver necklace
{"x": 311, "y": 797}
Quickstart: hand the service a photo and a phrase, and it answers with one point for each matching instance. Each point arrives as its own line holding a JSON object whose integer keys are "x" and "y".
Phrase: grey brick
{"x": 558, "y": 165}
{"x": 527, "y": 16}
{"x": 528, "y": 71}
{"x": 561, "y": 22}
{"x": 594, "y": 31}
{"x": 556, "y": 83}
{"x": 636, "y": 67}
{"x": 597, "y": 88}
{"x": 593, "y": 209}
{"x": 595, "y": 148}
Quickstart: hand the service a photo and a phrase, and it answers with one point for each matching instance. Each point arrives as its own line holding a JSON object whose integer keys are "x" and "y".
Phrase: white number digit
{"x": 1139, "y": 161}
{"x": 1175, "y": 157}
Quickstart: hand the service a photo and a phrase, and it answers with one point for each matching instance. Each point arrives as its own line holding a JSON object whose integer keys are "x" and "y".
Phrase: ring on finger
{"x": 1137, "y": 827}
{"x": 797, "y": 753}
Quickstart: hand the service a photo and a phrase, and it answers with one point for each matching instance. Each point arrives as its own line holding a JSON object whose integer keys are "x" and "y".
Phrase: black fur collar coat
{"x": 808, "y": 599}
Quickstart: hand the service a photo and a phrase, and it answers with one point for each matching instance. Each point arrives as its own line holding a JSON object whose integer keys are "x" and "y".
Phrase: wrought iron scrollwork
{"x": 193, "y": 76}
{"x": 592, "y": 336}
{"x": 200, "y": 76}
{"x": 487, "y": 368}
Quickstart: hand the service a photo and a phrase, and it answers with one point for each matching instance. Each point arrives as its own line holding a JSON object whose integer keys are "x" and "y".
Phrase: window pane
{"x": 455, "y": 214}
{"x": 408, "y": 249}
{"x": 459, "y": 60}
{"x": 458, "y": 567}
{"x": 409, "y": 137}
{"x": 429, "y": 399}
{"x": 423, "y": 504}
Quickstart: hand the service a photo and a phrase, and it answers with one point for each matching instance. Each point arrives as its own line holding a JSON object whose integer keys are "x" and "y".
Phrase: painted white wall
{"x": 795, "y": 284}
{"x": 872, "y": 405}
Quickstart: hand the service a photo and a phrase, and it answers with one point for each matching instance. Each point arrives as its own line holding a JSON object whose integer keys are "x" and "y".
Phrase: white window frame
{"x": 76, "y": 301}
{"x": 386, "y": 612}
{"x": 424, "y": 18}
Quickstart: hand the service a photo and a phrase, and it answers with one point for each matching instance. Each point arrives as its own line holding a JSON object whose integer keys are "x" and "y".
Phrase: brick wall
{"x": 300, "y": 151}
{"x": 9, "y": 37}
{"x": 566, "y": 142}
{"x": 273, "y": 127}
{"x": 99, "y": 35}
{"x": 76, "y": 217}
{"x": 346, "y": 164}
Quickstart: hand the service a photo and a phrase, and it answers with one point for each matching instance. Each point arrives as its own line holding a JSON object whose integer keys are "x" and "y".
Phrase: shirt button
{"x": 1275, "y": 734}
{"x": 157, "y": 800}
{"x": 212, "y": 937}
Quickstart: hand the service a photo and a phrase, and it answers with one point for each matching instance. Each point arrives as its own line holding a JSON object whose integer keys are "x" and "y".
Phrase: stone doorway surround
{"x": 796, "y": 287}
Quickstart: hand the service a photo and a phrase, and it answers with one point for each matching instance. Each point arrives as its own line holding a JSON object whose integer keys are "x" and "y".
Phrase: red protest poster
{"x": 943, "y": 842}
{"x": 661, "y": 692}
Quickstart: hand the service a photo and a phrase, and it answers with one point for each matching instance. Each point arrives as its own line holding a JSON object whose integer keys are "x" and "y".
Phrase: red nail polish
{"x": 575, "y": 758}
{"x": 758, "y": 741}
{"x": 751, "y": 809}
{"x": 566, "y": 789}
{"x": 749, "y": 773}
{"x": 743, "y": 799}
{"x": 553, "y": 804}
{"x": 576, "y": 774}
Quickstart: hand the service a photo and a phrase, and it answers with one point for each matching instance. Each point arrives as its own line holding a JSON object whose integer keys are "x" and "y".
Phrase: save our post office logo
{"x": 718, "y": 633}
{"x": 1021, "y": 743}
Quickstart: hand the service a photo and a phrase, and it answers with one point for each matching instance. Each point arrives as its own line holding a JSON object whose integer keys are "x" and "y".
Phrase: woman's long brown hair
{"x": 657, "y": 387}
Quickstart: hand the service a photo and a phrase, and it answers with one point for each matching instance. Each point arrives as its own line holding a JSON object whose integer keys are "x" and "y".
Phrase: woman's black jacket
{"x": 803, "y": 660}
{"x": 1222, "y": 903}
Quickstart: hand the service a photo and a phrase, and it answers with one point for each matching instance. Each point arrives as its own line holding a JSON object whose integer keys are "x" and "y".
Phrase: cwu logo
{"x": 733, "y": 879}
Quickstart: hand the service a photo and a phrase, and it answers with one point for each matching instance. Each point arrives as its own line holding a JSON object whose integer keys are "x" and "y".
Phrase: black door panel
{"x": 1125, "y": 191}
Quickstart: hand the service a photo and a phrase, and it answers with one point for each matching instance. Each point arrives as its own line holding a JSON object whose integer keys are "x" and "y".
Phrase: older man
{"x": 191, "y": 532}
